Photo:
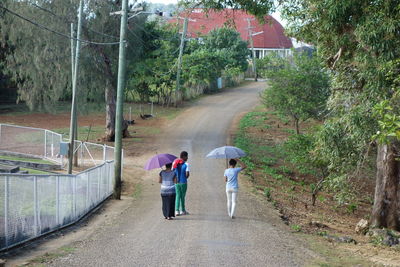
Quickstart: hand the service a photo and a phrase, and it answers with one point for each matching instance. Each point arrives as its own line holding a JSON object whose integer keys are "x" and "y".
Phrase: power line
{"x": 69, "y": 21}
{"x": 53, "y": 31}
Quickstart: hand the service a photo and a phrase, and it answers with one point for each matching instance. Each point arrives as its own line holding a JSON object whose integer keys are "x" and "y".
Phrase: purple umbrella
{"x": 158, "y": 161}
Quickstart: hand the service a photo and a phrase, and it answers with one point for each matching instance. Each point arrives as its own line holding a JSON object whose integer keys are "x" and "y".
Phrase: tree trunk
{"x": 296, "y": 123}
{"x": 386, "y": 209}
{"x": 110, "y": 113}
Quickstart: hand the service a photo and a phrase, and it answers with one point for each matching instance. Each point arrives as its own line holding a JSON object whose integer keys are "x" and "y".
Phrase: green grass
{"x": 137, "y": 191}
{"x": 33, "y": 171}
{"x": 26, "y": 159}
{"x": 332, "y": 255}
{"x": 49, "y": 256}
{"x": 83, "y": 131}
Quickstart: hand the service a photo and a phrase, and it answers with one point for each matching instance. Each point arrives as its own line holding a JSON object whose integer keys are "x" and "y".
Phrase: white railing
{"x": 45, "y": 144}
{"x": 34, "y": 205}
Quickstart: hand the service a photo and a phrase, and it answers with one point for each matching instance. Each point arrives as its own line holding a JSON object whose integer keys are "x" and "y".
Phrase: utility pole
{"x": 74, "y": 86}
{"x": 178, "y": 74}
{"x": 120, "y": 99}
{"x": 253, "y": 53}
{"x": 73, "y": 75}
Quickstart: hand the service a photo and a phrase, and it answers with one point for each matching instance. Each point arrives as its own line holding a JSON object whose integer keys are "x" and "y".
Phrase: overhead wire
{"x": 53, "y": 31}
{"x": 69, "y": 21}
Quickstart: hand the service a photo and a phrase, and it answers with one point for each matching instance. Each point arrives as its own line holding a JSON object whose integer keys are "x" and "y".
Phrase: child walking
{"x": 232, "y": 186}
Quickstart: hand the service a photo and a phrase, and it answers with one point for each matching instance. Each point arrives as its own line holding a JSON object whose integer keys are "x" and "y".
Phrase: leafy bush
{"x": 298, "y": 88}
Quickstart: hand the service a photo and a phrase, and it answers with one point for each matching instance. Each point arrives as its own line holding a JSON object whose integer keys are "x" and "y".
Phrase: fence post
{"x": 104, "y": 153}
{"x": 0, "y": 132}
{"x": 52, "y": 145}
{"x": 74, "y": 196}
{"x": 35, "y": 206}
{"x": 6, "y": 210}
{"x": 58, "y": 200}
{"x": 82, "y": 159}
{"x": 45, "y": 143}
{"x": 88, "y": 190}
{"x": 98, "y": 181}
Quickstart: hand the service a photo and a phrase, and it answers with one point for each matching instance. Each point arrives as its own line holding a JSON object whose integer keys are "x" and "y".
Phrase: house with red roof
{"x": 267, "y": 37}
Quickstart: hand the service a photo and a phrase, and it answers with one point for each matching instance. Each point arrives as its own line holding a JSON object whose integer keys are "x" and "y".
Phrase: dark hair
{"x": 168, "y": 165}
{"x": 184, "y": 154}
{"x": 232, "y": 162}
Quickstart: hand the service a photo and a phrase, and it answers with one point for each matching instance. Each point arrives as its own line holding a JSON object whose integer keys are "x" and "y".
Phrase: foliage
{"x": 299, "y": 150}
{"x": 227, "y": 41}
{"x": 222, "y": 52}
{"x": 258, "y": 8}
{"x": 299, "y": 89}
{"x": 360, "y": 42}
{"x": 41, "y": 60}
{"x": 154, "y": 74}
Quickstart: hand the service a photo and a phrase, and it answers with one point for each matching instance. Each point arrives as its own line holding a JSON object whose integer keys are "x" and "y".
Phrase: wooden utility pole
{"x": 178, "y": 74}
{"x": 120, "y": 101}
{"x": 72, "y": 127}
{"x": 253, "y": 53}
{"x": 73, "y": 75}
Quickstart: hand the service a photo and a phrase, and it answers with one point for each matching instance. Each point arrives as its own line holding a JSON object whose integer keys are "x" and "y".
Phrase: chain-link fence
{"x": 33, "y": 205}
{"x": 46, "y": 144}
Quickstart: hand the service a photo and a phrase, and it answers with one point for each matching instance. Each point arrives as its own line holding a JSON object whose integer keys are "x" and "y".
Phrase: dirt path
{"x": 206, "y": 237}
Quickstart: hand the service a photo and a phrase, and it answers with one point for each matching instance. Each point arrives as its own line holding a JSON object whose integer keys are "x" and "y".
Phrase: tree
{"x": 228, "y": 41}
{"x": 154, "y": 74}
{"x": 360, "y": 43}
{"x": 298, "y": 89}
{"x": 41, "y": 60}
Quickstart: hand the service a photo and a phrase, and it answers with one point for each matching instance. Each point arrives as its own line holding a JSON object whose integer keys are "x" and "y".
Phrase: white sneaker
{"x": 184, "y": 213}
{"x": 177, "y": 213}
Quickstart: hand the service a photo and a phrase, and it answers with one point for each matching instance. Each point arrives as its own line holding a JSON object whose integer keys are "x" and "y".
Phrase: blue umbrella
{"x": 226, "y": 152}
{"x": 159, "y": 160}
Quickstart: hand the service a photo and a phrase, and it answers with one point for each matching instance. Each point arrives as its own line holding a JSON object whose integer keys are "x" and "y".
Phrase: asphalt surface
{"x": 140, "y": 236}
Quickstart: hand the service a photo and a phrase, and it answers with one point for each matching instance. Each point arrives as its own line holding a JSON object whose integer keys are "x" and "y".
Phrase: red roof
{"x": 272, "y": 35}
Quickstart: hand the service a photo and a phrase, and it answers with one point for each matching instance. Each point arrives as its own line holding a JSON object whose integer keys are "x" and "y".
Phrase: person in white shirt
{"x": 232, "y": 185}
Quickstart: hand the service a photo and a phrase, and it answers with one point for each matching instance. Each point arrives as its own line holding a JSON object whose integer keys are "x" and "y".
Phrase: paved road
{"x": 206, "y": 237}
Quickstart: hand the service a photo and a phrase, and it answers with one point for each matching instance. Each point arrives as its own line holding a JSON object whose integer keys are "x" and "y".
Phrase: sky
{"x": 276, "y": 15}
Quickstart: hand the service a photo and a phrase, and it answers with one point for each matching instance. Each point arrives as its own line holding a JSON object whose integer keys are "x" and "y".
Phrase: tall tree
{"x": 40, "y": 62}
{"x": 360, "y": 42}
{"x": 299, "y": 88}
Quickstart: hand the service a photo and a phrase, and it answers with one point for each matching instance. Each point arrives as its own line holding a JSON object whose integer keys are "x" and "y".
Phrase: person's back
{"x": 232, "y": 177}
{"x": 180, "y": 171}
{"x": 167, "y": 179}
{"x": 232, "y": 185}
{"x": 167, "y": 182}
{"x": 181, "y": 168}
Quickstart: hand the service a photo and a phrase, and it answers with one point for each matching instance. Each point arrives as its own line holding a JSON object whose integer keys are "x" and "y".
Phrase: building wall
{"x": 263, "y": 52}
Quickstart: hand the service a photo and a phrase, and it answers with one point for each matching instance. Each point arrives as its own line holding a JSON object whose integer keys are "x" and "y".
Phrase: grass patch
{"x": 33, "y": 171}
{"x": 26, "y": 159}
{"x": 49, "y": 256}
{"x": 137, "y": 191}
{"x": 333, "y": 256}
{"x": 95, "y": 132}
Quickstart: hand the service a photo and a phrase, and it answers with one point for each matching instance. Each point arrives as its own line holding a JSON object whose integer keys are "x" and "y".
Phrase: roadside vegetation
{"x": 152, "y": 58}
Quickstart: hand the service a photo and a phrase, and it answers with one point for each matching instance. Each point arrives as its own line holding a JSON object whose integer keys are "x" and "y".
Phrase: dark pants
{"x": 168, "y": 205}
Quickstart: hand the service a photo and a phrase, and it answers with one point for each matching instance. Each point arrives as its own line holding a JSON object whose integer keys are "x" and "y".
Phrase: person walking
{"x": 181, "y": 168}
{"x": 232, "y": 186}
{"x": 167, "y": 179}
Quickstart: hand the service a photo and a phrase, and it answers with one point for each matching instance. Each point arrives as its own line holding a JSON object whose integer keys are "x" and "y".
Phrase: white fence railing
{"x": 45, "y": 144}
{"x": 34, "y": 205}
